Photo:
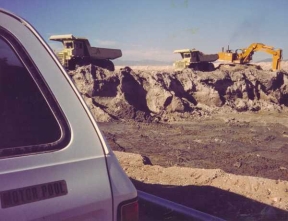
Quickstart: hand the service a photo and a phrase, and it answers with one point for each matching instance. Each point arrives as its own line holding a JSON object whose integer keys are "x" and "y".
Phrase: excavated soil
{"x": 168, "y": 96}
{"x": 215, "y": 141}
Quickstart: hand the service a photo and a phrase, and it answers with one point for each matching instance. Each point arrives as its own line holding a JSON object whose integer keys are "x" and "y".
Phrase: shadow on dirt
{"x": 133, "y": 92}
{"x": 210, "y": 200}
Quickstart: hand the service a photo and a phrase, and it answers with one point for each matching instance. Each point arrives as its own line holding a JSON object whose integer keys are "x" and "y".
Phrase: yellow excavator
{"x": 244, "y": 56}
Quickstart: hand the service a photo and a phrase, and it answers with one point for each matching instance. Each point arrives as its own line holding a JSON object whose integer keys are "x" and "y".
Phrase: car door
{"x": 52, "y": 162}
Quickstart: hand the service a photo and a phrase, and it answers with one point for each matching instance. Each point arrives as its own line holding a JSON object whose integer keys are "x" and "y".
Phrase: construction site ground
{"x": 226, "y": 156}
{"x": 231, "y": 168}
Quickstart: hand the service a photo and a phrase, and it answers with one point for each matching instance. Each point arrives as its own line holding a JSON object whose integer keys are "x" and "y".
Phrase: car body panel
{"x": 82, "y": 163}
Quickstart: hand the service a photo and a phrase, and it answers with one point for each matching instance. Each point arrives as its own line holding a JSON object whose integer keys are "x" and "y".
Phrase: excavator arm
{"x": 246, "y": 56}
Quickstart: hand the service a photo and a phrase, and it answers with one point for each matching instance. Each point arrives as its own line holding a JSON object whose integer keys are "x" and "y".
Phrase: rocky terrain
{"x": 168, "y": 96}
{"x": 216, "y": 141}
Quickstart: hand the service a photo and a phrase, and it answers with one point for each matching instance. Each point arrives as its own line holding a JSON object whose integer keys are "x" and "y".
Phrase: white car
{"x": 54, "y": 162}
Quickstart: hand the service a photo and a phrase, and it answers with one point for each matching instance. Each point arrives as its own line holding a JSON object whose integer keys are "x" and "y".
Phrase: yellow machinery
{"x": 77, "y": 51}
{"x": 244, "y": 56}
{"x": 192, "y": 58}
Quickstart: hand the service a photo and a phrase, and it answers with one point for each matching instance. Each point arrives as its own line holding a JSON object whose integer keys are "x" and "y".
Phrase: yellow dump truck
{"x": 194, "y": 59}
{"x": 77, "y": 51}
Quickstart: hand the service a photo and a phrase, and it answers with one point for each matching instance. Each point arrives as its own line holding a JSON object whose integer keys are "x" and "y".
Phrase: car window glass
{"x": 26, "y": 118}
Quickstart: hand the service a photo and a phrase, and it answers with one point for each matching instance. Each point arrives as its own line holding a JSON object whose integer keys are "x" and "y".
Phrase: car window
{"x": 27, "y": 120}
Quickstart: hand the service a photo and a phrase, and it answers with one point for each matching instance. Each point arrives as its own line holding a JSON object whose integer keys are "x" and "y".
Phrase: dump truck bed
{"x": 105, "y": 53}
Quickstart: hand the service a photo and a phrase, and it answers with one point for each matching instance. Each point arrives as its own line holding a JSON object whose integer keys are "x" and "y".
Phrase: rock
{"x": 209, "y": 97}
{"x": 176, "y": 105}
{"x": 158, "y": 99}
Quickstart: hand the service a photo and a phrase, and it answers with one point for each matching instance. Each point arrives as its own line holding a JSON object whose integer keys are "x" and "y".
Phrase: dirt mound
{"x": 147, "y": 95}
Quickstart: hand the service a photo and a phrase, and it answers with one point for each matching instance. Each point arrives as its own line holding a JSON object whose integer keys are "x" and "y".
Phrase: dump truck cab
{"x": 188, "y": 55}
{"x": 74, "y": 48}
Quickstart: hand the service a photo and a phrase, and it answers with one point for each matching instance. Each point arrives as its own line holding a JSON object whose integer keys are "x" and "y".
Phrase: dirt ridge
{"x": 168, "y": 96}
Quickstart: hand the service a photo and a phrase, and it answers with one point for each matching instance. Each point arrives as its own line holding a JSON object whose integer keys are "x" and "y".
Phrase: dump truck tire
{"x": 72, "y": 64}
{"x": 110, "y": 66}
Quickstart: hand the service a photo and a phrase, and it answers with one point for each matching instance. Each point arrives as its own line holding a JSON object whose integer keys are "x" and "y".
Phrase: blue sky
{"x": 153, "y": 29}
